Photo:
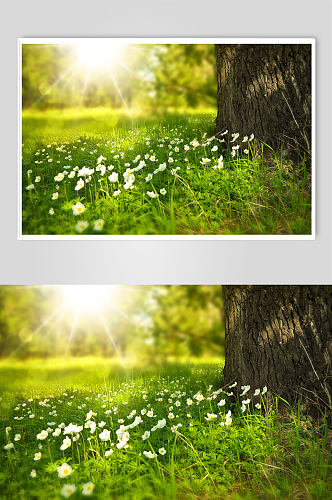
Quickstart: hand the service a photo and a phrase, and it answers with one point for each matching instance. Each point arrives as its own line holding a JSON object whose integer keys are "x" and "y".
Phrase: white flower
{"x": 17, "y": 437}
{"x": 71, "y": 175}
{"x": 146, "y": 435}
{"x": 162, "y": 451}
{"x": 90, "y": 425}
{"x": 258, "y": 406}
{"x": 264, "y": 390}
{"x": 116, "y": 193}
{"x": 245, "y": 138}
{"x": 64, "y": 470}
{"x": 88, "y": 489}
{"x": 105, "y": 435}
{"x": 189, "y": 402}
{"x": 55, "y": 196}
{"x": 85, "y": 171}
{"x": 81, "y": 226}
{"x": 51, "y": 211}
{"x": 57, "y": 432}
{"x": 186, "y": 147}
{"x": 210, "y": 416}
{"x": 150, "y": 413}
{"x": 108, "y": 453}
{"x": 8, "y": 446}
{"x": 215, "y": 148}
{"x": 163, "y": 191}
{"x": 42, "y": 435}
{"x": 68, "y": 490}
{"x": 128, "y": 185}
{"x": 79, "y": 185}
{"x": 37, "y": 456}
{"x": 251, "y": 137}
{"x": 246, "y": 151}
{"x": 114, "y": 177}
{"x": 257, "y": 392}
{"x": 199, "y": 397}
{"x": 170, "y": 160}
{"x": 98, "y": 225}
{"x": 148, "y": 177}
{"x": 149, "y": 454}
{"x": 33, "y": 473}
{"x": 152, "y": 194}
{"x": 205, "y": 160}
{"x": 65, "y": 444}
{"x": 78, "y": 208}
{"x": 194, "y": 143}
{"x": 59, "y": 177}
{"x": 101, "y": 159}
{"x": 221, "y": 402}
{"x": 161, "y": 168}
{"x": 122, "y": 444}
{"x": 245, "y": 389}
{"x": 235, "y": 136}
{"x": 38, "y": 178}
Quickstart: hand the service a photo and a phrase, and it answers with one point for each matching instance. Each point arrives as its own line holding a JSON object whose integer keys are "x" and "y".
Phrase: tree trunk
{"x": 281, "y": 337}
{"x": 265, "y": 90}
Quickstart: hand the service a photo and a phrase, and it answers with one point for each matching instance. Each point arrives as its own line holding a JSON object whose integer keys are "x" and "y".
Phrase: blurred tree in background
{"x": 145, "y": 76}
{"x": 151, "y": 323}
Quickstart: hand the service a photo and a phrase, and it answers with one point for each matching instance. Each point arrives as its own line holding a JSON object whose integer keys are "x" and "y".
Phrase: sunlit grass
{"x": 192, "y": 454}
{"x": 205, "y": 186}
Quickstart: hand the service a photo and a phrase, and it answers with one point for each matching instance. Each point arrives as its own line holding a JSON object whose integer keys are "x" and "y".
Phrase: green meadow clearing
{"x": 146, "y": 433}
{"x": 100, "y": 171}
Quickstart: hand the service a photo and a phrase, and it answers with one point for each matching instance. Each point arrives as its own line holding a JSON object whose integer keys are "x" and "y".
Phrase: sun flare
{"x": 99, "y": 54}
{"x": 86, "y": 298}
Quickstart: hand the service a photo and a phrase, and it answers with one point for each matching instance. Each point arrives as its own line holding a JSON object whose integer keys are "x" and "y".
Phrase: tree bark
{"x": 265, "y": 90}
{"x": 281, "y": 337}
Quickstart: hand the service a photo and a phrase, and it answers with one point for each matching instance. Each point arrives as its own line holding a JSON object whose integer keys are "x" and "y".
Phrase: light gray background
{"x": 131, "y": 262}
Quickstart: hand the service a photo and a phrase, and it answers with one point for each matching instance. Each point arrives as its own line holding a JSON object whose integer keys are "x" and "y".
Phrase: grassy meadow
{"x": 100, "y": 171}
{"x": 90, "y": 427}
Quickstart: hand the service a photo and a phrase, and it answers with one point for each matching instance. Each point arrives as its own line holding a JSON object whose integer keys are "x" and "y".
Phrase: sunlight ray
{"x": 110, "y": 336}
{"x": 118, "y": 90}
{"x": 61, "y": 77}
{"x": 124, "y": 66}
{"x": 85, "y": 84}
{"x": 72, "y": 331}
{"x": 41, "y": 326}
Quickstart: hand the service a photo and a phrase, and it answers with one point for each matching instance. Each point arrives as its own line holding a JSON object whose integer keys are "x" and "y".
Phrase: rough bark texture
{"x": 281, "y": 337}
{"x": 265, "y": 90}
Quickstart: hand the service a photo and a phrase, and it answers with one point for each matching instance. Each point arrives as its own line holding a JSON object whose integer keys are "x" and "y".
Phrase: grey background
{"x": 47, "y": 262}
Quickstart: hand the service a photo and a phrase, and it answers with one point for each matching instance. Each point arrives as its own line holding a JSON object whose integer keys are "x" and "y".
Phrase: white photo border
{"x": 172, "y": 40}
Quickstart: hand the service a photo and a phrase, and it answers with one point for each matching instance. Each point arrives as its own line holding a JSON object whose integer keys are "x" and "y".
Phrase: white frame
{"x": 183, "y": 40}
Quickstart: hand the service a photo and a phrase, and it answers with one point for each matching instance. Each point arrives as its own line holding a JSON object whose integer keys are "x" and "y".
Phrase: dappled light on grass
{"x": 174, "y": 433}
{"x": 171, "y": 176}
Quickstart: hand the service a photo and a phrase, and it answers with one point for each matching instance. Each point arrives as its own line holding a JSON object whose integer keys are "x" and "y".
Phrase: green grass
{"x": 257, "y": 456}
{"x": 254, "y": 192}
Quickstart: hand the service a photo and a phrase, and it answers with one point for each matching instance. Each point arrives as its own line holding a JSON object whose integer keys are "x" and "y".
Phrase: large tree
{"x": 265, "y": 89}
{"x": 281, "y": 337}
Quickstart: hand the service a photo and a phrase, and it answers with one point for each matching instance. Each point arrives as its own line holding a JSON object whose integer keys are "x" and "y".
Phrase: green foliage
{"x": 146, "y": 76}
{"x": 244, "y": 194}
{"x": 146, "y": 323}
{"x": 257, "y": 454}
